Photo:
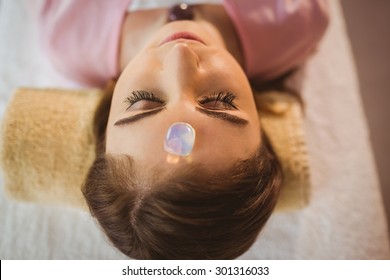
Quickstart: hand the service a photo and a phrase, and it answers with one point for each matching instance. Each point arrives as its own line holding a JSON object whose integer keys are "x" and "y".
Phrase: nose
{"x": 182, "y": 64}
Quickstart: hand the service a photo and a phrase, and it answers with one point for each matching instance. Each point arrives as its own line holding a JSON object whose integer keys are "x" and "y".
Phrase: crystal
{"x": 180, "y": 139}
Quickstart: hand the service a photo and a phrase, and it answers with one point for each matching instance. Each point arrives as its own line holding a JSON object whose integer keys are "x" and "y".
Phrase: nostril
{"x": 185, "y": 55}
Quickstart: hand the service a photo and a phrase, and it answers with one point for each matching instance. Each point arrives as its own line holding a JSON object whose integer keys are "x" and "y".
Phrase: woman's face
{"x": 184, "y": 74}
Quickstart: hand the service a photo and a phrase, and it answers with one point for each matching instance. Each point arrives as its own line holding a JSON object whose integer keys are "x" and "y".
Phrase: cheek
{"x": 225, "y": 70}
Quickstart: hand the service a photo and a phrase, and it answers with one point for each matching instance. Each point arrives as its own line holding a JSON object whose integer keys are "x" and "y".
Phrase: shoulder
{"x": 82, "y": 37}
{"x": 277, "y": 35}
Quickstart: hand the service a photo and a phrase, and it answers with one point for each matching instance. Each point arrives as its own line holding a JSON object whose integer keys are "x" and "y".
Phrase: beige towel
{"x": 48, "y": 144}
{"x": 281, "y": 117}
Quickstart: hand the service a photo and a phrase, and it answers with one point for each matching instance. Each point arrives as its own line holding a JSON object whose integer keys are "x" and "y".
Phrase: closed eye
{"x": 144, "y": 100}
{"x": 136, "y": 97}
{"x": 219, "y": 101}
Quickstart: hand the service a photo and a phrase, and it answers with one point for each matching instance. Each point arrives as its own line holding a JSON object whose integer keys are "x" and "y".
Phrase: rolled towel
{"x": 48, "y": 144}
{"x": 281, "y": 117}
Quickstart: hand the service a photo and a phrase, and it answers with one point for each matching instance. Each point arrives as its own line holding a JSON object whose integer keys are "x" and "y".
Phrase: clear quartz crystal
{"x": 180, "y": 139}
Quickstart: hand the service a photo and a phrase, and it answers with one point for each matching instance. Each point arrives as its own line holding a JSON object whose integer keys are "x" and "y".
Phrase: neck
{"x": 140, "y": 25}
{"x": 216, "y": 16}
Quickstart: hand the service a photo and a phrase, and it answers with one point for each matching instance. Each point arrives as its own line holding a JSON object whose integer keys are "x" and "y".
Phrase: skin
{"x": 181, "y": 73}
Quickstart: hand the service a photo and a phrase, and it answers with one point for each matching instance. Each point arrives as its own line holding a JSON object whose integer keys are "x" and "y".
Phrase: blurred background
{"x": 368, "y": 26}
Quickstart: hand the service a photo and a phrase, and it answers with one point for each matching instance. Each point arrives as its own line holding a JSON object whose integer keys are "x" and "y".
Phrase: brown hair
{"x": 196, "y": 214}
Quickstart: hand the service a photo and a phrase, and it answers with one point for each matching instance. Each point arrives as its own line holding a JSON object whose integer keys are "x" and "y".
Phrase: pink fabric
{"x": 277, "y": 35}
{"x": 82, "y": 36}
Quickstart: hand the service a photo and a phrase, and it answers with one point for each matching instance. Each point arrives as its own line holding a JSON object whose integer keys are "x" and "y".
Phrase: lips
{"x": 182, "y": 36}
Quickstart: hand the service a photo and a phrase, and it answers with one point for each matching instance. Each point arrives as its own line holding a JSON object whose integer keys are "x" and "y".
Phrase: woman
{"x": 187, "y": 67}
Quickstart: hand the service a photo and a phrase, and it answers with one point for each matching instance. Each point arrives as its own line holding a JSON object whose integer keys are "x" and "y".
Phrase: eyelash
{"x": 140, "y": 95}
{"x": 224, "y": 97}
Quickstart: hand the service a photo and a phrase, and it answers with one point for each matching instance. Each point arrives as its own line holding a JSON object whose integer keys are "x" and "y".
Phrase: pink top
{"x": 82, "y": 37}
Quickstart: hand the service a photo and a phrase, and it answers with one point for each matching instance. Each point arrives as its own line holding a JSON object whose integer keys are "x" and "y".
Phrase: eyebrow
{"x": 223, "y": 116}
{"x": 214, "y": 114}
{"x": 139, "y": 116}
